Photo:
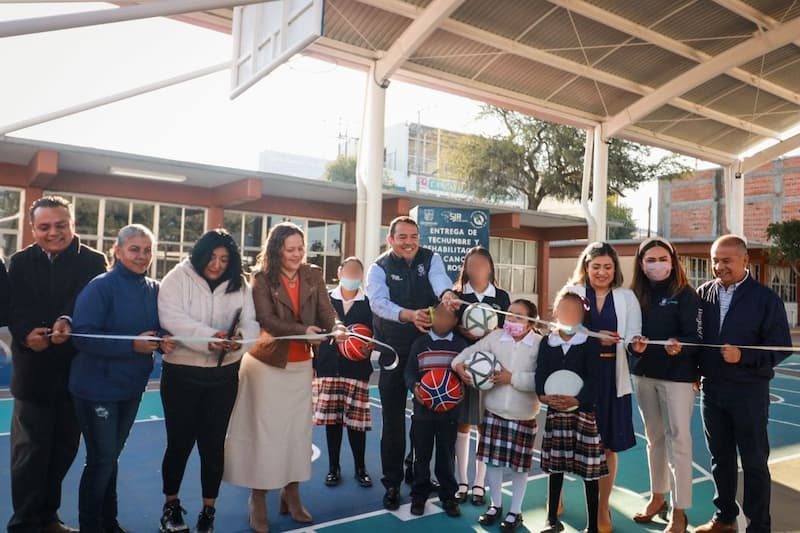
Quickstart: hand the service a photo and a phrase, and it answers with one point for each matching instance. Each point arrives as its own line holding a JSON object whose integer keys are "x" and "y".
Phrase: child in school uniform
{"x": 509, "y": 420}
{"x": 436, "y": 349}
{"x": 571, "y": 443}
{"x": 341, "y": 386}
{"x": 476, "y": 284}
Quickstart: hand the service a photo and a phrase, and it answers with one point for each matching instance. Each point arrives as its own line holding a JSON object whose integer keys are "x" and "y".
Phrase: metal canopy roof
{"x": 710, "y": 79}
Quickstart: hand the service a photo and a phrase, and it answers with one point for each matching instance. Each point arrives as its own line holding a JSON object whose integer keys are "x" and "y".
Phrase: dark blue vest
{"x": 409, "y": 287}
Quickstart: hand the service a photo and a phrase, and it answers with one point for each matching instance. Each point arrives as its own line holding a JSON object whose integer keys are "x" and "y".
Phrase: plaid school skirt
{"x": 342, "y": 401}
{"x": 506, "y": 443}
{"x": 572, "y": 445}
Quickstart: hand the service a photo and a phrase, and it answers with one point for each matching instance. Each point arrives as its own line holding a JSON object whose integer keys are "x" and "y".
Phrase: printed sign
{"x": 451, "y": 232}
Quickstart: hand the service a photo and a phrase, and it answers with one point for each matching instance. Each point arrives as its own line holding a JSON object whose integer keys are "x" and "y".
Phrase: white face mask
{"x": 658, "y": 270}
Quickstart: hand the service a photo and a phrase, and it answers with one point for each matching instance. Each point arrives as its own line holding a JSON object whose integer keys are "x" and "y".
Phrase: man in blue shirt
{"x": 738, "y": 311}
{"x": 402, "y": 285}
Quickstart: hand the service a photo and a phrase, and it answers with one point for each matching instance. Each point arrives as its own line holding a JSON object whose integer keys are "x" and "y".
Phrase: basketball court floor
{"x": 351, "y": 508}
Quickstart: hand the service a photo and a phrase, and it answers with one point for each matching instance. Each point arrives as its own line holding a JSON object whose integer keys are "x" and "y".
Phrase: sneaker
{"x": 172, "y": 518}
{"x": 418, "y": 506}
{"x": 205, "y": 521}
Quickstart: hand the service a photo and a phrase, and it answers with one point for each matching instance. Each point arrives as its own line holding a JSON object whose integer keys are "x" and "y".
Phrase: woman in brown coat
{"x": 269, "y": 437}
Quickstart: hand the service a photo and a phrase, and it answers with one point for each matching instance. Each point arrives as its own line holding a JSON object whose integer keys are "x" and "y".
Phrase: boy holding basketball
{"x": 568, "y": 361}
{"x": 434, "y": 422}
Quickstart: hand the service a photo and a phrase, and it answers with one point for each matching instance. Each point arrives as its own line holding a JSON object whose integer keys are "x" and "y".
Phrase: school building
{"x": 181, "y": 200}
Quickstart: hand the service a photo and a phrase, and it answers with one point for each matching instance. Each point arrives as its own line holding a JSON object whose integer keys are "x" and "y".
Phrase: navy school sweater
{"x": 756, "y": 317}
{"x": 329, "y": 362}
{"x": 583, "y": 359}
{"x": 118, "y": 302}
{"x": 427, "y": 354}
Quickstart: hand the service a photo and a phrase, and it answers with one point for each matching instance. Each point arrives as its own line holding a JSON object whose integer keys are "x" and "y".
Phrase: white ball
{"x": 481, "y": 366}
{"x": 479, "y": 319}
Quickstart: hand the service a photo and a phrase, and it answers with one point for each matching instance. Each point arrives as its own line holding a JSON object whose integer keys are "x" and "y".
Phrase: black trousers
{"x": 440, "y": 432}
{"x": 197, "y": 407}
{"x": 394, "y": 395}
{"x": 44, "y": 442}
{"x": 735, "y": 418}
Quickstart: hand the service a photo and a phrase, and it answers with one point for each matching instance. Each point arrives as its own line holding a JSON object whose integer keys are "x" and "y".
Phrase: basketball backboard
{"x": 266, "y": 35}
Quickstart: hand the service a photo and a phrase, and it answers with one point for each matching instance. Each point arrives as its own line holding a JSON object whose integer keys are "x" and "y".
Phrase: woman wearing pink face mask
{"x": 664, "y": 377}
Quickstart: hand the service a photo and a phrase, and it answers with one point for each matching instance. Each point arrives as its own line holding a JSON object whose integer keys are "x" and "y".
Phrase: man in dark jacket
{"x": 45, "y": 279}
{"x": 737, "y": 312}
{"x": 402, "y": 284}
{"x": 5, "y": 295}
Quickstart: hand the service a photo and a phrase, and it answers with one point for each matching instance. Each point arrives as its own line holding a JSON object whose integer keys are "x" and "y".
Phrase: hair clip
{"x": 585, "y": 302}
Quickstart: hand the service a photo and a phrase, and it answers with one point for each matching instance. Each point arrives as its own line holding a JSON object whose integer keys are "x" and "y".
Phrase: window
{"x": 783, "y": 281}
{"x": 11, "y": 214}
{"x": 515, "y": 264}
{"x": 324, "y": 239}
{"x": 177, "y": 228}
{"x": 755, "y": 271}
{"x": 697, "y": 270}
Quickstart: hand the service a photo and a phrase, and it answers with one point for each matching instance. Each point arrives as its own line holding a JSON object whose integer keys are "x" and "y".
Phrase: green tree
{"x": 341, "y": 170}
{"x": 625, "y": 227}
{"x": 785, "y": 243}
{"x": 538, "y": 159}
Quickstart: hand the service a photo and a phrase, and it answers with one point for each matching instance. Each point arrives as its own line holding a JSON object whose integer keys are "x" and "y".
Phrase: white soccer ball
{"x": 481, "y": 366}
{"x": 479, "y": 319}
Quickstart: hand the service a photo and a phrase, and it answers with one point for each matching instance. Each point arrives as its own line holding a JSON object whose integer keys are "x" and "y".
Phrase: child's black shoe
{"x": 552, "y": 526}
{"x": 490, "y": 517}
{"x": 511, "y": 522}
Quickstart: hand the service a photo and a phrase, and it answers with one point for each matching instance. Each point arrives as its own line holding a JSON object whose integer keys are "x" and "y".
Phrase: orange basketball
{"x": 355, "y": 348}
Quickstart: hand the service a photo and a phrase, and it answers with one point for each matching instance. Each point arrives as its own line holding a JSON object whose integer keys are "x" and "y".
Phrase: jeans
{"x": 105, "y": 427}
{"x": 735, "y": 419}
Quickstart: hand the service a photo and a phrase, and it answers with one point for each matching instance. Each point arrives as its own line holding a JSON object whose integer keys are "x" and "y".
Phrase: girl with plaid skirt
{"x": 341, "y": 386}
{"x": 476, "y": 284}
{"x": 509, "y": 420}
{"x": 572, "y": 442}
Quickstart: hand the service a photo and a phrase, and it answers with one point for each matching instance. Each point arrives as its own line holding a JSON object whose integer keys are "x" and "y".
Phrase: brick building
{"x": 692, "y": 210}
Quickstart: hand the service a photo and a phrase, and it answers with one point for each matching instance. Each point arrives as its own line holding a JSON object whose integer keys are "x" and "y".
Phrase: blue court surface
{"x": 352, "y": 508}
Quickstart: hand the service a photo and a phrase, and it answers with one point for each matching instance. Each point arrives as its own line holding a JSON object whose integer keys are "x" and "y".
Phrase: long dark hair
{"x": 203, "y": 250}
{"x": 463, "y": 277}
{"x": 641, "y": 284}
{"x": 269, "y": 260}
{"x": 594, "y": 250}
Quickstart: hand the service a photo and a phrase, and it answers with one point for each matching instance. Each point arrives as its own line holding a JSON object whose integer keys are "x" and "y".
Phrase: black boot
{"x": 172, "y": 518}
{"x": 205, "y": 521}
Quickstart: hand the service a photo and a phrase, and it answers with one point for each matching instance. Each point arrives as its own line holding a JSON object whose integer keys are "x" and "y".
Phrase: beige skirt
{"x": 269, "y": 435}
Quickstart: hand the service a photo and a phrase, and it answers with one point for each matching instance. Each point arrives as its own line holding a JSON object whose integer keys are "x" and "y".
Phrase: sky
{"x": 301, "y": 108}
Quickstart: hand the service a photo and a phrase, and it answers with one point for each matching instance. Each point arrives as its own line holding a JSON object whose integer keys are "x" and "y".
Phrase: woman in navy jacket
{"x": 664, "y": 377}
{"x": 108, "y": 376}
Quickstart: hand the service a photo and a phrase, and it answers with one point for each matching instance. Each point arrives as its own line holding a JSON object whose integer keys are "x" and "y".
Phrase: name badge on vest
{"x": 421, "y": 270}
{"x": 395, "y": 277}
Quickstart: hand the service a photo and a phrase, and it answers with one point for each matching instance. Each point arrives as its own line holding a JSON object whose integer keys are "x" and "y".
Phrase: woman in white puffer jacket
{"x": 207, "y": 296}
